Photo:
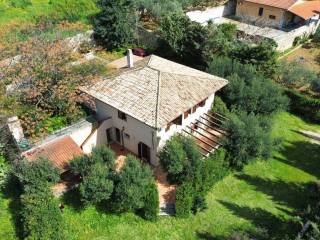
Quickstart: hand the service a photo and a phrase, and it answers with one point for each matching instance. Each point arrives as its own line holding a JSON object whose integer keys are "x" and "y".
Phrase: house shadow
{"x": 302, "y": 155}
{"x": 287, "y": 194}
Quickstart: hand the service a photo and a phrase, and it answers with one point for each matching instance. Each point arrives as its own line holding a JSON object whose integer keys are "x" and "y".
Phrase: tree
{"x": 40, "y": 215}
{"x": 173, "y": 158}
{"x": 130, "y": 186}
{"x": 115, "y": 24}
{"x": 96, "y": 185}
{"x": 45, "y": 84}
{"x": 248, "y": 90}
{"x": 104, "y": 155}
{"x": 263, "y": 56}
{"x": 249, "y": 137}
{"x": 37, "y": 173}
{"x": 151, "y": 202}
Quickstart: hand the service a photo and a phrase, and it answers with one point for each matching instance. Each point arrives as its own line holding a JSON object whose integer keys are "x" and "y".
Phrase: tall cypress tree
{"x": 115, "y": 24}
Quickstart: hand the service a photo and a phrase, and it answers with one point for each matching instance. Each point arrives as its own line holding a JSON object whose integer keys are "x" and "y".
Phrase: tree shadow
{"x": 302, "y": 155}
{"x": 12, "y": 191}
{"x": 262, "y": 219}
{"x": 72, "y": 199}
{"x": 288, "y": 194}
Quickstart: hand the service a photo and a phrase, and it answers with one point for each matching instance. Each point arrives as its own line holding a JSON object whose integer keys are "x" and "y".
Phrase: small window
{"x": 187, "y": 113}
{"x": 272, "y": 17}
{"x": 122, "y": 115}
{"x": 194, "y": 109}
{"x": 260, "y": 12}
{"x": 178, "y": 120}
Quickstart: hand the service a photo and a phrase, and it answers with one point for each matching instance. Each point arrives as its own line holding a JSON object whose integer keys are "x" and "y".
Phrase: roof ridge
{"x": 184, "y": 75}
{"x": 158, "y": 99}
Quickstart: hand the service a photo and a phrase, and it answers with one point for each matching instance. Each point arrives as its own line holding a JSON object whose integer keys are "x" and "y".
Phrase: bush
{"x": 103, "y": 154}
{"x": 37, "y": 173}
{"x": 184, "y": 200}
{"x": 173, "y": 158}
{"x": 90, "y": 68}
{"x": 151, "y": 203}
{"x": 73, "y": 10}
{"x": 249, "y": 138}
{"x": 316, "y": 36}
{"x": 96, "y": 185}
{"x": 100, "y": 154}
{"x": 304, "y": 106}
{"x": 41, "y": 217}
{"x": 219, "y": 106}
{"x": 130, "y": 186}
{"x": 214, "y": 169}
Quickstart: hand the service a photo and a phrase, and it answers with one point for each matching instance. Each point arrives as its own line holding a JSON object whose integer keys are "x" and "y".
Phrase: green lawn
{"x": 266, "y": 195}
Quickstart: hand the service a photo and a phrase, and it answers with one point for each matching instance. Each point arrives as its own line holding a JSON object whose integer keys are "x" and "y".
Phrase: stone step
{"x": 167, "y": 209}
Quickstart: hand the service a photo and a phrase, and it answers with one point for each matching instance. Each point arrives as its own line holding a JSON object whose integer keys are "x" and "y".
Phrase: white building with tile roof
{"x": 142, "y": 106}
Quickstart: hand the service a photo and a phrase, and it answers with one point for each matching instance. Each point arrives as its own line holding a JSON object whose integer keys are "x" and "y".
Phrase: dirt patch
{"x": 307, "y": 56}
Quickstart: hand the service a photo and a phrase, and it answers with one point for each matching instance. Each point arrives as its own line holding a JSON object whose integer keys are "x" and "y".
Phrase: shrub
{"x": 4, "y": 170}
{"x": 173, "y": 158}
{"x": 100, "y": 154}
{"x": 249, "y": 138}
{"x": 184, "y": 200}
{"x": 96, "y": 185}
{"x": 37, "y": 173}
{"x": 219, "y": 106}
{"x": 151, "y": 203}
{"x": 40, "y": 216}
{"x": 104, "y": 155}
{"x": 304, "y": 106}
{"x": 130, "y": 186}
{"x": 90, "y": 68}
{"x": 214, "y": 169}
{"x": 295, "y": 74}
{"x": 315, "y": 84}
{"x": 316, "y": 36}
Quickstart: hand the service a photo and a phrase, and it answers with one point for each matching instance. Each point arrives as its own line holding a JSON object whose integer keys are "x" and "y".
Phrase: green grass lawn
{"x": 266, "y": 195}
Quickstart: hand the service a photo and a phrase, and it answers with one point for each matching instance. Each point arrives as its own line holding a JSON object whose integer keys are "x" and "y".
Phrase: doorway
{"x": 144, "y": 152}
{"x": 109, "y": 135}
{"x": 118, "y": 135}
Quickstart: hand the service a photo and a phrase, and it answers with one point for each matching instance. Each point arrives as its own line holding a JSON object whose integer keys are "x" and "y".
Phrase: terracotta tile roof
{"x": 306, "y": 10}
{"x": 155, "y": 91}
{"x": 60, "y": 152}
{"x": 283, "y": 4}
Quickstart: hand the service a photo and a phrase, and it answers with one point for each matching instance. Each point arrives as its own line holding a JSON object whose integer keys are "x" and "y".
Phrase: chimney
{"x": 15, "y": 128}
{"x": 130, "y": 58}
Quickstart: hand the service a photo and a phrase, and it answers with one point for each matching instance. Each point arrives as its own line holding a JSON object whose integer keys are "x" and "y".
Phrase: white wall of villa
{"x": 164, "y": 134}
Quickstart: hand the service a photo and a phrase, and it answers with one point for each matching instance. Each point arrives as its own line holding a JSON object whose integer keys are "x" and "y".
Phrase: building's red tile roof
{"x": 60, "y": 152}
{"x": 283, "y": 4}
{"x": 306, "y": 10}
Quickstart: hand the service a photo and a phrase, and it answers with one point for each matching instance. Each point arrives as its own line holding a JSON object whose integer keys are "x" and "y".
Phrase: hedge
{"x": 303, "y": 105}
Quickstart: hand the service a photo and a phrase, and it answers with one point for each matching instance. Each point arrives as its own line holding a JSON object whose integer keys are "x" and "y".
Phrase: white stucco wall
{"x": 138, "y": 131}
{"x": 164, "y": 135}
{"x": 81, "y": 134}
{"x": 98, "y": 137}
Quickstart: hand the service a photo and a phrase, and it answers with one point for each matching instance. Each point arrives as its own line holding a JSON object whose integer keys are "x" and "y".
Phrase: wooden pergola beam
{"x": 201, "y": 141}
{"x": 215, "y": 129}
{"x": 208, "y": 115}
{"x": 203, "y": 134}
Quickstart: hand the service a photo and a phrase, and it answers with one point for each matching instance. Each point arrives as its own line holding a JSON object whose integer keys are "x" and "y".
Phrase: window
{"x": 178, "y": 120}
{"x": 194, "y": 109}
{"x": 118, "y": 135}
{"x": 127, "y": 136}
{"x": 260, "y": 12}
{"x": 168, "y": 126}
{"x": 122, "y": 116}
{"x": 203, "y": 103}
{"x": 187, "y": 113}
{"x": 272, "y": 17}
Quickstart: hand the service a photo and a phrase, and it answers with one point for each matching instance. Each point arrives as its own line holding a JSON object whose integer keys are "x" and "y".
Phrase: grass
{"x": 265, "y": 197}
